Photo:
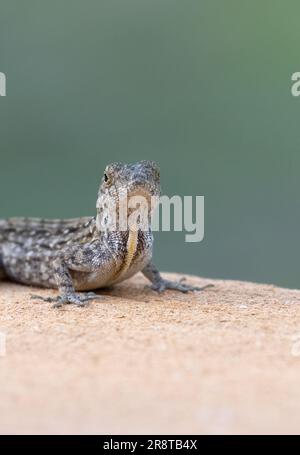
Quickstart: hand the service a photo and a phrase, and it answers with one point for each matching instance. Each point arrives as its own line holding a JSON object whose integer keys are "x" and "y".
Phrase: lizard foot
{"x": 162, "y": 285}
{"x": 65, "y": 299}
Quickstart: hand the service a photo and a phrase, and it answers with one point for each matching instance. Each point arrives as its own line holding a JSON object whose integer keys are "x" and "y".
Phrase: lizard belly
{"x": 134, "y": 260}
{"x": 98, "y": 279}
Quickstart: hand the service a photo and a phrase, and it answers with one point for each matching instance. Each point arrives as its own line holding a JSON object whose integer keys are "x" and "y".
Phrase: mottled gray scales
{"x": 77, "y": 255}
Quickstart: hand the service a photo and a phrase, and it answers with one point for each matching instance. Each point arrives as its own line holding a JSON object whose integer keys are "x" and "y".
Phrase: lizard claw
{"x": 76, "y": 299}
{"x": 66, "y": 299}
{"x": 162, "y": 285}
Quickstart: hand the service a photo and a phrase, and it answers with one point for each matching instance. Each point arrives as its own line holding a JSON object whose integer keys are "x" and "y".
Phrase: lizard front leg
{"x": 80, "y": 258}
{"x": 66, "y": 288}
{"x": 159, "y": 284}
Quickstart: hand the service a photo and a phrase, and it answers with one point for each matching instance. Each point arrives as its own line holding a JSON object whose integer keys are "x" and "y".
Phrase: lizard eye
{"x": 107, "y": 179}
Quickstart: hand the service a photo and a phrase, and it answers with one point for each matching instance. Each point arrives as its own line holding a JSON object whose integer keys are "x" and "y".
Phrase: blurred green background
{"x": 201, "y": 86}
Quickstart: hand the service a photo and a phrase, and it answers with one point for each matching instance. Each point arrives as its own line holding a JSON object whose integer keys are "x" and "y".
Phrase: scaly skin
{"x": 79, "y": 254}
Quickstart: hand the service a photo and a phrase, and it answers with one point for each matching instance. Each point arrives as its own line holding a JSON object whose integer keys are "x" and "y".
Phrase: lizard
{"x": 78, "y": 256}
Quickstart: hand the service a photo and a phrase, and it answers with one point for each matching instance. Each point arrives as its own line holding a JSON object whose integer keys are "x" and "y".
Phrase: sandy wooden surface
{"x": 226, "y": 360}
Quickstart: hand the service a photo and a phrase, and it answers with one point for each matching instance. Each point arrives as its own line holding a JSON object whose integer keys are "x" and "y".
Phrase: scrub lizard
{"x": 83, "y": 254}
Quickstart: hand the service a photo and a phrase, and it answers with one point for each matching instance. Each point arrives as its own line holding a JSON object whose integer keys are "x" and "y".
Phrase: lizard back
{"x": 34, "y": 233}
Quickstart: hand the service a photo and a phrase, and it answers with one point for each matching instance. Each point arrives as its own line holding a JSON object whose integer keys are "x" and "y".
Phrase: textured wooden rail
{"x": 226, "y": 360}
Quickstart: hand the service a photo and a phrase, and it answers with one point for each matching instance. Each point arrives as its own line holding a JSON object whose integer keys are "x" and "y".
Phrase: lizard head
{"x": 132, "y": 185}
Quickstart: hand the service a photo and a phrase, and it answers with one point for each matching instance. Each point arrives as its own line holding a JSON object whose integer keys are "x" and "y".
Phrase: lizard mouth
{"x": 143, "y": 192}
{"x": 137, "y": 208}
{"x": 140, "y": 193}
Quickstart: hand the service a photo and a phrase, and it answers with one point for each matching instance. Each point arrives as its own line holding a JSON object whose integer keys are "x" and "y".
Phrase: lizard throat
{"x": 131, "y": 248}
